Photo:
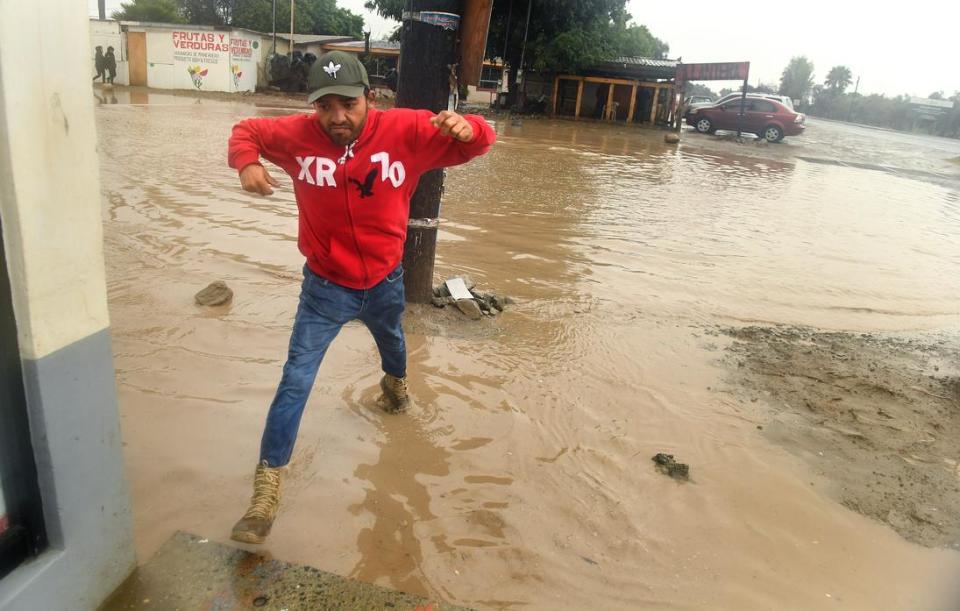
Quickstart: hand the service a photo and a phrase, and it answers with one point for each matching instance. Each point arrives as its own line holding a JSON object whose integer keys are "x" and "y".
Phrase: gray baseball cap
{"x": 339, "y": 73}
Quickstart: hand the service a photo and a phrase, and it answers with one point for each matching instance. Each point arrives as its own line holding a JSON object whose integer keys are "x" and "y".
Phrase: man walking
{"x": 99, "y": 62}
{"x": 110, "y": 65}
{"x": 354, "y": 169}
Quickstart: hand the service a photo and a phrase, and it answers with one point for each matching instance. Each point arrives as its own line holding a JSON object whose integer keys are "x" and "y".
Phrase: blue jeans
{"x": 324, "y": 308}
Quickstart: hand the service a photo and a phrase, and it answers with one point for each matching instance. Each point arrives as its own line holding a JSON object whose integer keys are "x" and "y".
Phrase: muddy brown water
{"x": 523, "y": 477}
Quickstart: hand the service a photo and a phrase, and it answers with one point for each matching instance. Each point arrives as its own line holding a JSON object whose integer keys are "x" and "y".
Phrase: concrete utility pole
{"x": 274, "y": 51}
{"x": 291, "y": 28}
{"x": 850, "y": 107}
{"x": 427, "y": 62}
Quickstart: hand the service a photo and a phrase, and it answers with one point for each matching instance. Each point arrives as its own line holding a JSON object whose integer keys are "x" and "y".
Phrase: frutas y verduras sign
{"x": 197, "y": 56}
{"x": 201, "y": 41}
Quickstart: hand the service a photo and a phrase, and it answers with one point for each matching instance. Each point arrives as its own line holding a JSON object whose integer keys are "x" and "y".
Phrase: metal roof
{"x": 306, "y": 39}
{"x": 379, "y": 45}
{"x": 298, "y": 39}
{"x": 644, "y": 61}
{"x": 640, "y": 68}
{"x": 945, "y": 104}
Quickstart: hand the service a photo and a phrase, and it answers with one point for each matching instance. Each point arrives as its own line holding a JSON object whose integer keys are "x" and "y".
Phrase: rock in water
{"x": 217, "y": 293}
{"x": 470, "y": 308}
{"x": 671, "y": 138}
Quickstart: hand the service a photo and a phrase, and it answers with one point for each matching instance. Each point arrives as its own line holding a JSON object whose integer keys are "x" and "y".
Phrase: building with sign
{"x": 201, "y": 58}
{"x": 625, "y": 89}
{"x": 191, "y": 57}
{"x": 925, "y": 112}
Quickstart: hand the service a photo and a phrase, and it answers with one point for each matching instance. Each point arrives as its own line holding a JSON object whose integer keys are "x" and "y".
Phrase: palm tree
{"x": 839, "y": 78}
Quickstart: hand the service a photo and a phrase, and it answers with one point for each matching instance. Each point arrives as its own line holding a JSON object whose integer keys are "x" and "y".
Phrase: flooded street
{"x": 523, "y": 479}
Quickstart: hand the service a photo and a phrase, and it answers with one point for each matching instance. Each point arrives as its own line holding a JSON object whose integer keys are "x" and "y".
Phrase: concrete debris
{"x": 442, "y": 290}
{"x": 470, "y": 308}
{"x": 460, "y": 292}
{"x": 457, "y": 289}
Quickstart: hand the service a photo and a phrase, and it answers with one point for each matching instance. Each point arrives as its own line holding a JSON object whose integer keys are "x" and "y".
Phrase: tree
{"x": 207, "y": 12}
{"x": 700, "y": 89}
{"x": 637, "y": 41}
{"x": 797, "y": 78}
{"x": 568, "y": 35}
{"x": 936, "y": 95}
{"x": 761, "y": 88}
{"x": 311, "y": 16}
{"x": 564, "y": 35}
{"x": 159, "y": 11}
{"x": 838, "y": 79}
{"x": 390, "y": 9}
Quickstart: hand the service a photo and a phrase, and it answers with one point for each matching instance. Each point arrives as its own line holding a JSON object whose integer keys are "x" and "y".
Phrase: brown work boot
{"x": 394, "y": 393}
{"x": 255, "y": 525}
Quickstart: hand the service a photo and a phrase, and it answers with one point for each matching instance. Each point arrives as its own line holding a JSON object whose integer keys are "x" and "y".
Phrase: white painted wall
{"x": 479, "y": 97}
{"x": 202, "y": 60}
{"x": 174, "y": 51}
{"x": 50, "y": 176}
{"x": 245, "y": 52}
{"x": 107, "y": 34}
{"x": 160, "y": 65}
{"x": 189, "y": 59}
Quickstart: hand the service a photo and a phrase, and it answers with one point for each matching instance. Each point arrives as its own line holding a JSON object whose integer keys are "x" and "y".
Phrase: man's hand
{"x": 255, "y": 179}
{"x": 453, "y": 125}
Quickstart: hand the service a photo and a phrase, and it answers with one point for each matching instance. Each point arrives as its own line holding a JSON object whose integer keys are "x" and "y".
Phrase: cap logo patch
{"x": 332, "y": 69}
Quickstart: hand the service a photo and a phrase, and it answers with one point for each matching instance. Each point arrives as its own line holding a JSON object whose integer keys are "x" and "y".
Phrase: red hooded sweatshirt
{"x": 354, "y": 201}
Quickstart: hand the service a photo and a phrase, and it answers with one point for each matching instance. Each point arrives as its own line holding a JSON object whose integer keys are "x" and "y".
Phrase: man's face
{"x": 342, "y": 118}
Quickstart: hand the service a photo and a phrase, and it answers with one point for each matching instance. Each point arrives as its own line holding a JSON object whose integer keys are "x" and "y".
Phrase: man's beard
{"x": 343, "y": 137}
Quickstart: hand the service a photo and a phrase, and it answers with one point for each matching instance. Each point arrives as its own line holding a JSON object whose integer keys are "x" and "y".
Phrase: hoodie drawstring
{"x": 347, "y": 153}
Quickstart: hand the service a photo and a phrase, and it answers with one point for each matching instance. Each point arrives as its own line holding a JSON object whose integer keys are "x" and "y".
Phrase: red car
{"x": 767, "y": 119}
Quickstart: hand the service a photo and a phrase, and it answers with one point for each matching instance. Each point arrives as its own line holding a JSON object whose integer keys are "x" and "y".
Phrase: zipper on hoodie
{"x": 347, "y": 155}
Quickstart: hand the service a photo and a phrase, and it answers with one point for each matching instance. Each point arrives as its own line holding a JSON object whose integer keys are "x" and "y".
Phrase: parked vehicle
{"x": 766, "y": 118}
{"x": 736, "y": 95}
{"x": 699, "y": 99}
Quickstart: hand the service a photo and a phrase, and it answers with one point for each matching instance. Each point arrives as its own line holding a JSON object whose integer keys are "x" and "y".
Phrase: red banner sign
{"x": 724, "y": 71}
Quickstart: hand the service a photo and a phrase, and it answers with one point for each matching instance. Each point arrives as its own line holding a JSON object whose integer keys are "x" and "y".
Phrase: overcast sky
{"x": 904, "y": 48}
{"x": 901, "y": 49}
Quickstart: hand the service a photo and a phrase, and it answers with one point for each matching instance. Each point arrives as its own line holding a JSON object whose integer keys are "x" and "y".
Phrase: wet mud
{"x": 877, "y": 416}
